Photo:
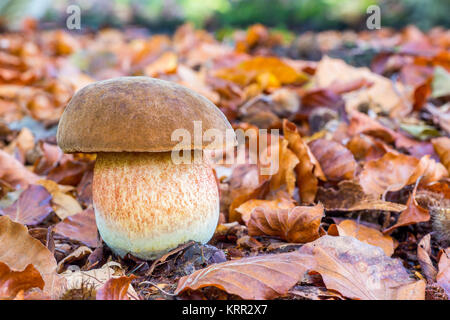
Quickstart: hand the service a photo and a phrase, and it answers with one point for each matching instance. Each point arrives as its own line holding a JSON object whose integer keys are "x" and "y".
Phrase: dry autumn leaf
{"x": 349, "y": 196}
{"x": 115, "y": 288}
{"x": 336, "y": 161}
{"x": 14, "y": 282}
{"x": 413, "y": 213}
{"x": 365, "y": 234}
{"x": 442, "y": 147}
{"x": 13, "y": 172}
{"x": 443, "y": 275}
{"x": 256, "y": 278}
{"x": 23, "y": 249}
{"x": 64, "y": 205}
{"x": 32, "y": 207}
{"x": 80, "y": 227}
{"x": 308, "y": 170}
{"x": 423, "y": 255}
{"x": 361, "y": 271}
{"x": 299, "y": 224}
{"x": 246, "y": 208}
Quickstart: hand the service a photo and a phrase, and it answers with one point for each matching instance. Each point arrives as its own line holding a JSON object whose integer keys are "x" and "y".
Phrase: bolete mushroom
{"x": 146, "y": 204}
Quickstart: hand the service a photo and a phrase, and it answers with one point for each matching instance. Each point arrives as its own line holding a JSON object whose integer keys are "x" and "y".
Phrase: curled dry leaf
{"x": 336, "y": 161}
{"x": 443, "y": 275}
{"x": 115, "y": 288}
{"x": 76, "y": 255}
{"x": 349, "y": 196}
{"x": 14, "y": 173}
{"x": 64, "y": 205}
{"x": 308, "y": 170}
{"x": 364, "y": 234}
{"x": 262, "y": 277}
{"x": 442, "y": 147}
{"x": 80, "y": 227}
{"x": 32, "y": 207}
{"x": 361, "y": 271}
{"x": 285, "y": 175}
{"x": 423, "y": 255}
{"x": 246, "y": 208}
{"x": 23, "y": 249}
{"x": 13, "y": 282}
{"x": 413, "y": 213}
{"x": 299, "y": 224}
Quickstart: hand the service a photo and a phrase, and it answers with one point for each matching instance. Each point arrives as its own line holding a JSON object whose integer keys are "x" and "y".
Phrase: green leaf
{"x": 420, "y": 131}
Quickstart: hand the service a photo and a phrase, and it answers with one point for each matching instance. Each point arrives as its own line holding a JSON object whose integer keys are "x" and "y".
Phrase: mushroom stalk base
{"x": 146, "y": 205}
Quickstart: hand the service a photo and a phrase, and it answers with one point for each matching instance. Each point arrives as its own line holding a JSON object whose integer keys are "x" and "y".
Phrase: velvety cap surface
{"x": 138, "y": 114}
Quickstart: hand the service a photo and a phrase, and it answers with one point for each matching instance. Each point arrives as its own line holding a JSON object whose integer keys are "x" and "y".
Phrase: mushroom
{"x": 145, "y": 203}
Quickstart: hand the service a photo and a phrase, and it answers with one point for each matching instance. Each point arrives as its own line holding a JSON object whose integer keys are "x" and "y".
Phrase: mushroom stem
{"x": 147, "y": 205}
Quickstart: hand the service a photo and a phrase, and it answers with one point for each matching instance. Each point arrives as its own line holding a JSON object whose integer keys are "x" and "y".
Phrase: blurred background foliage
{"x": 224, "y": 15}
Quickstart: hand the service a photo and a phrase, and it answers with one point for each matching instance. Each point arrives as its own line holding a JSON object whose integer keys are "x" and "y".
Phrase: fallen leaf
{"x": 361, "y": 271}
{"x": 32, "y": 207}
{"x": 336, "y": 161}
{"x": 349, "y": 196}
{"x": 440, "y": 85}
{"x": 247, "y": 207}
{"x": 442, "y": 147}
{"x": 412, "y": 215}
{"x": 13, "y": 282}
{"x": 393, "y": 171}
{"x": 256, "y": 278}
{"x": 364, "y": 234}
{"x": 80, "y": 227}
{"x": 115, "y": 288}
{"x": 443, "y": 275}
{"x": 285, "y": 175}
{"x": 423, "y": 255}
{"x": 13, "y": 172}
{"x": 64, "y": 205}
{"x": 76, "y": 255}
{"x": 95, "y": 278}
{"x": 299, "y": 224}
{"x": 23, "y": 249}
{"x": 308, "y": 170}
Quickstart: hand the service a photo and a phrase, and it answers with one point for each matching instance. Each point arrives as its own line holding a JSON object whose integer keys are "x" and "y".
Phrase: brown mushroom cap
{"x": 137, "y": 114}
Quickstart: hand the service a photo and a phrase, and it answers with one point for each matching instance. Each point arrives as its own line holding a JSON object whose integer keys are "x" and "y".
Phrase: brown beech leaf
{"x": 246, "y": 208}
{"x": 70, "y": 169}
{"x": 23, "y": 249}
{"x": 308, "y": 170}
{"x": 95, "y": 278}
{"x": 442, "y": 147}
{"x": 299, "y": 224}
{"x": 115, "y": 288}
{"x": 80, "y": 227}
{"x": 64, "y": 205}
{"x": 393, "y": 171}
{"x": 14, "y": 173}
{"x": 336, "y": 161}
{"x": 77, "y": 255}
{"x": 423, "y": 255}
{"x": 349, "y": 196}
{"x": 32, "y": 207}
{"x": 365, "y": 234}
{"x": 50, "y": 155}
{"x": 361, "y": 271}
{"x": 364, "y": 147}
{"x": 285, "y": 176}
{"x": 412, "y": 215}
{"x": 256, "y": 278}
{"x": 13, "y": 282}
{"x": 443, "y": 276}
